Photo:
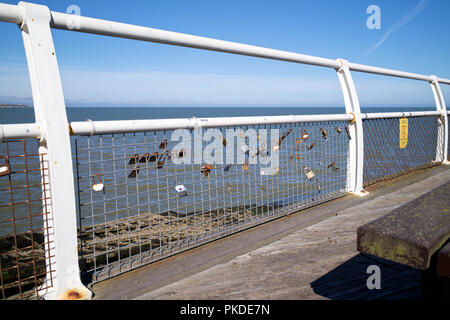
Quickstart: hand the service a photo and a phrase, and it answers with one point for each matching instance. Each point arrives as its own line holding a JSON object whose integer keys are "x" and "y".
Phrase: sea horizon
{"x": 104, "y": 113}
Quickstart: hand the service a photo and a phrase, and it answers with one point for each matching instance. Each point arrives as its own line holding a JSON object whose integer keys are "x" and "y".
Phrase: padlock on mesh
{"x": 324, "y": 133}
{"x": 5, "y": 168}
{"x": 97, "y": 185}
{"x": 181, "y": 190}
{"x": 309, "y": 173}
{"x": 304, "y": 134}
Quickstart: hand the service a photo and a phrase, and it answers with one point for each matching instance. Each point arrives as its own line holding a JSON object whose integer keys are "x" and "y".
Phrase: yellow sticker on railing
{"x": 403, "y": 133}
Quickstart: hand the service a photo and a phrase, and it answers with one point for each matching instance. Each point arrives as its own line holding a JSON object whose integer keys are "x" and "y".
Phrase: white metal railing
{"x": 378, "y": 115}
{"x": 53, "y": 129}
{"x": 383, "y": 156}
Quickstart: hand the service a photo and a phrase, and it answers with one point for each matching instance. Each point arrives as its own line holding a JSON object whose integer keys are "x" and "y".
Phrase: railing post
{"x": 355, "y": 165}
{"x": 50, "y": 114}
{"x": 442, "y": 144}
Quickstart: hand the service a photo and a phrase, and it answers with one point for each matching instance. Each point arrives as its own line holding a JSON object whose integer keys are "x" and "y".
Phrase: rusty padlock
{"x": 134, "y": 172}
{"x": 133, "y": 159}
{"x": 5, "y": 168}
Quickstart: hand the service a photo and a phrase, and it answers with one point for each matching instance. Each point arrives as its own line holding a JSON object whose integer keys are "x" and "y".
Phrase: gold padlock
{"x": 5, "y": 168}
{"x": 324, "y": 133}
{"x": 309, "y": 173}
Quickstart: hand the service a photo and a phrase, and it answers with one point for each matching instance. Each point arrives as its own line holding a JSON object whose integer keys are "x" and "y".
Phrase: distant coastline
{"x": 8, "y": 106}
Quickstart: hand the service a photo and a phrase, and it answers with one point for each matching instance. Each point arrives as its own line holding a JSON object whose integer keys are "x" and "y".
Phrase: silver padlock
{"x": 181, "y": 190}
{"x": 97, "y": 185}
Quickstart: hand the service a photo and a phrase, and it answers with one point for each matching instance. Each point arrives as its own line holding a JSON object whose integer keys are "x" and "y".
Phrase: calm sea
{"x": 26, "y": 115}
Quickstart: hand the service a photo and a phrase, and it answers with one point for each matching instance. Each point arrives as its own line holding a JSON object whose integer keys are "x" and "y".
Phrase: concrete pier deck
{"x": 308, "y": 255}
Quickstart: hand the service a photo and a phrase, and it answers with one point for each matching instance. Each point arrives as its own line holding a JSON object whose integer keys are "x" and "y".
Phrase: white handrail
{"x": 33, "y": 130}
{"x": 380, "y": 115}
{"x": 10, "y": 13}
{"x": 19, "y": 131}
{"x": 121, "y": 126}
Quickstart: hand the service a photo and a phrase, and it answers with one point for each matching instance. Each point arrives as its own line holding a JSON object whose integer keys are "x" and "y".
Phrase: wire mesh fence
{"x": 131, "y": 212}
{"x": 137, "y": 204}
{"x": 23, "y": 229}
{"x": 383, "y": 157}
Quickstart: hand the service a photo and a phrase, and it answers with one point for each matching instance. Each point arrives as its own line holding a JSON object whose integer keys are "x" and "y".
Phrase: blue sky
{"x": 101, "y": 71}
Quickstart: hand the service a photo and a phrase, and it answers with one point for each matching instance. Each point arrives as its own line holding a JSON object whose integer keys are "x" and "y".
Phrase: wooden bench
{"x": 443, "y": 262}
{"x": 413, "y": 234}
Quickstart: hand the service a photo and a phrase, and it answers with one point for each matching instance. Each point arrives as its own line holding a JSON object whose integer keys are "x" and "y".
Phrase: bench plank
{"x": 412, "y": 233}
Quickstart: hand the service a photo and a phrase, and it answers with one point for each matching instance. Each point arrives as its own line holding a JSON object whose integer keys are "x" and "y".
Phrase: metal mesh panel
{"x": 383, "y": 159}
{"x": 23, "y": 234}
{"x": 136, "y": 217}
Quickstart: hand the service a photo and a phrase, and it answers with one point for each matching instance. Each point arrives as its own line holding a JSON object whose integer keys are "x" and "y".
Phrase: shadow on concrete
{"x": 348, "y": 281}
